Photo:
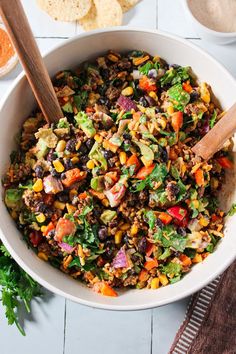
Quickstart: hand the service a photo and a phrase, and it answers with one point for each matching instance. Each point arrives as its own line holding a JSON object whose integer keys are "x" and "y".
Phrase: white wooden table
{"x": 59, "y": 326}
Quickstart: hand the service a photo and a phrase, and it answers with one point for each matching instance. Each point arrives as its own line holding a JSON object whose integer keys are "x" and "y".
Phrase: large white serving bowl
{"x": 18, "y": 104}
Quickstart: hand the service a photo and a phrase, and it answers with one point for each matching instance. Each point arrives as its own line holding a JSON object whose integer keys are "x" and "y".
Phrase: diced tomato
{"x": 177, "y": 212}
{"x": 103, "y": 288}
{"x": 177, "y": 121}
{"x": 113, "y": 175}
{"x": 152, "y": 263}
{"x": 186, "y": 261}
{"x": 133, "y": 161}
{"x": 89, "y": 110}
{"x": 73, "y": 176}
{"x": 35, "y": 238}
{"x": 115, "y": 194}
{"x": 83, "y": 195}
{"x": 165, "y": 218}
{"x": 199, "y": 177}
{"x": 143, "y": 275}
{"x": 64, "y": 227}
{"x": 49, "y": 228}
{"x": 225, "y": 162}
{"x": 146, "y": 84}
{"x": 150, "y": 249}
{"x": 187, "y": 87}
{"x": 145, "y": 171}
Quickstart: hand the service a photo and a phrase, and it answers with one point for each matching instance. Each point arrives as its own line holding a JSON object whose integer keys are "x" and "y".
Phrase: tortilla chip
{"x": 109, "y": 13}
{"x": 65, "y": 10}
{"x": 89, "y": 22}
{"x": 126, "y": 5}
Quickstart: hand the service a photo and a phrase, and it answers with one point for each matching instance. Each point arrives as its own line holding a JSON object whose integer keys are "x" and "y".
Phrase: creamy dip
{"x": 218, "y": 15}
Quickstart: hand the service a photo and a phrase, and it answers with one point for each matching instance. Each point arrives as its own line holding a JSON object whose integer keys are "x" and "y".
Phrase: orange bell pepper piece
{"x": 133, "y": 161}
{"x": 143, "y": 275}
{"x": 145, "y": 171}
{"x": 165, "y": 218}
{"x": 199, "y": 177}
{"x": 73, "y": 176}
{"x": 186, "y": 261}
{"x": 225, "y": 162}
{"x": 103, "y": 288}
{"x": 177, "y": 121}
{"x": 49, "y": 228}
{"x": 146, "y": 84}
{"x": 150, "y": 249}
{"x": 83, "y": 195}
{"x": 187, "y": 87}
{"x": 152, "y": 263}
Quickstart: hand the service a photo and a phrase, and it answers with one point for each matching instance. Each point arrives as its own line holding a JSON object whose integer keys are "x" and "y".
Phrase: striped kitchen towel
{"x": 210, "y": 322}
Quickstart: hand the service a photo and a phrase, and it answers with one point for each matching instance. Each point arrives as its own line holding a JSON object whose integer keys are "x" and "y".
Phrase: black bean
{"x": 96, "y": 212}
{"x": 68, "y": 164}
{"x": 126, "y": 239}
{"x": 113, "y": 224}
{"x": 63, "y": 197}
{"x": 109, "y": 250}
{"x": 105, "y": 73}
{"x": 194, "y": 96}
{"x": 89, "y": 143}
{"x": 63, "y": 175}
{"x": 143, "y": 196}
{"x": 51, "y": 156}
{"x": 182, "y": 231}
{"x": 108, "y": 154}
{"x": 143, "y": 102}
{"x": 103, "y": 233}
{"x": 159, "y": 223}
{"x": 127, "y": 136}
{"x": 70, "y": 145}
{"x": 163, "y": 153}
{"x": 142, "y": 245}
{"x": 83, "y": 149}
{"x": 84, "y": 159}
{"x": 38, "y": 171}
{"x": 175, "y": 66}
{"x": 117, "y": 82}
{"x": 41, "y": 207}
{"x": 54, "y": 173}
{"x": 51, "y": 234}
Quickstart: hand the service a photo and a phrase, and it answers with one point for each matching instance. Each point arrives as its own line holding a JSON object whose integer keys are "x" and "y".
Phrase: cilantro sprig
{"x": 157, "y": 175}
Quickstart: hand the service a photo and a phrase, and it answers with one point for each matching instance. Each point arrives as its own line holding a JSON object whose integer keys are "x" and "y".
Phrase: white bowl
{"x": 18, "y": 104}
{"x": 207, "y": 33}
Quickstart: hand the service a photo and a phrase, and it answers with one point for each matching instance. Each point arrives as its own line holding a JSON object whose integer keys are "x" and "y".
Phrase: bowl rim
{"x": 226, "y": 35}
{"x": 91, "y": 303}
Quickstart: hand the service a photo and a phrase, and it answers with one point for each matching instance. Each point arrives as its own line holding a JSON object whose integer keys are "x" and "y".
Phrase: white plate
{"x": 18, "y": 104}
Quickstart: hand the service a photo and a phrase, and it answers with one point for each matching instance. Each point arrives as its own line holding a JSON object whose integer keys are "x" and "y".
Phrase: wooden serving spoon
{"x": 217, "y": 136}
{"x": 19, "y": 31}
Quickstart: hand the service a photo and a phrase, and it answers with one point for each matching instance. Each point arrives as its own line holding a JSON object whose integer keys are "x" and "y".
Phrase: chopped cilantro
{"x": 232, "y": 210}
{"x": 213, "y": 119}
{"x": 172, "y": 269}
{"x": 174, "y": 76}
{"x": 148, "y": 66}
{"x": 168, "y": 237}
{"x": 151, "y": 218}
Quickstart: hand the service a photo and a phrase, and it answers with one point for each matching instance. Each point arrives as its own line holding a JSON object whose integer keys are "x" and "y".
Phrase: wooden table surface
{"x": 59, "y": 326}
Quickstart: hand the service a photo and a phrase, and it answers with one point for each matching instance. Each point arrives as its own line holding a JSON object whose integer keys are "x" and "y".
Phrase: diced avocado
{"x": 145, "y": 151}
{"x": 63, "y": 123}
{"x": 107, "y": 216}
{"x": 67, "y": 107}
{"x": 97, "y": 155}
{"x": 97, "y": 183}
{"x": 42, "y": 148}
{"x": 47, "y": 136}
{"x": 86, "y": 124}
{"x": 116, "y": 140}
{"x": 13, "y": 198}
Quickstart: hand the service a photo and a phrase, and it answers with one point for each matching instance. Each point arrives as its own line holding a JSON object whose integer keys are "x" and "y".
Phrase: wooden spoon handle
{"x": 22, "y": 38}
{"x": 214, "y": 140}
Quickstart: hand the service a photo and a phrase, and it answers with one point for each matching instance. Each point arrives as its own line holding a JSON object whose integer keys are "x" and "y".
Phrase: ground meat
{"x": 172, "y": 190}
{"x": 112, "y": 93}
{"x": 131, "y": 280}
{"x": 143, "y": 196}
{"x": 32, "y": 200}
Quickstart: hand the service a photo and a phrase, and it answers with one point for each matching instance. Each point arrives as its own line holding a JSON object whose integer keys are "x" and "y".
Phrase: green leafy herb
{"x": 213, "y": 119}
{"x": 148, "y": 66}
{"x": 174, "y": 76}
{"x": 80, "y": 100}
{"x": 63, "y": 123}
{"x": 168, "y": 237}
{"x": 157, "y": 175}
{"x": 178, "y": 96}
{"x": 151, "y": 218}
{"x": 172, "y": 269}
{"x": 165, "y": 254}
{"x": 232, "y": 210}
{"x": 28, "y": 185}
{"x": 17, "y": 287}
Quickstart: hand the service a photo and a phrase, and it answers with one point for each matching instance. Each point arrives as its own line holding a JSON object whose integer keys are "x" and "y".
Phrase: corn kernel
{"x": 59, "y": 205}
{"x": 163, "y": 279}
{"x": 61, "y": 145}
{"x": 98, "y": 138}
{"x": 125, "y": 227}
{"x": 203, "y": 221}
{"x": 70, "y": 208}
{"x": 90, "y": 164}
{"x": 156, "y": 59}
{"x": 134, "y": 230}
{"x": 58, "y": 166}
{"x": 197, "y": 258}
{"x": 38, "y": 185}
{"x": 128, "y": 91}
{"x": 43, "y": 228}
{"x": 40, "y": 218}
{"x": 170, "y": 110}
{"x": 122, "y": 157}
{"x": 139, "y": 61}
{"x": 75, "y": 159}
{"x": 43, "y": 256}
{"x": 77, "y": 146}
{"x": 82, "y": 261}
{"x": 113, "y": 58}
{"x": 204, "y": 92}
{"x": 118, "y": 237}
{"x": 105, "y": 202}
{"x": 153, "y": 95}
{"x": 195, "y": 203}
{"x": 146, "y": 162}
{"x": 80, "y": 251}
{"x": 155, "y": 283}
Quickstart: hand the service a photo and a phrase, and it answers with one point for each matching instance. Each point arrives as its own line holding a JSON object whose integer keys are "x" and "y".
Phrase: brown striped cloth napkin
{"x": 210, "y": 322}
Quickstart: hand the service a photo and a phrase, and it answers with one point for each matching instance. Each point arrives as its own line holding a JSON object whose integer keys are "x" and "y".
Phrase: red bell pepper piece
{"x": 225, "y": 162}
{"x": 177, "y": 212}
{"x": 145, "y": 171}
{"x": 35, "y": 238}
{"x": 146, "y": 84}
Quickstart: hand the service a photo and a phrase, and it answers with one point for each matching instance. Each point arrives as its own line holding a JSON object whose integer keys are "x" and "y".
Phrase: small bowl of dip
{"x": 213, "y": 20}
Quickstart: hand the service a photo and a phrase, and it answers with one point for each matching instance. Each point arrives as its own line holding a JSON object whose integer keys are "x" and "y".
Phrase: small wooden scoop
{"x": 22, "y": 38}
{"x": 216, "y": 137}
